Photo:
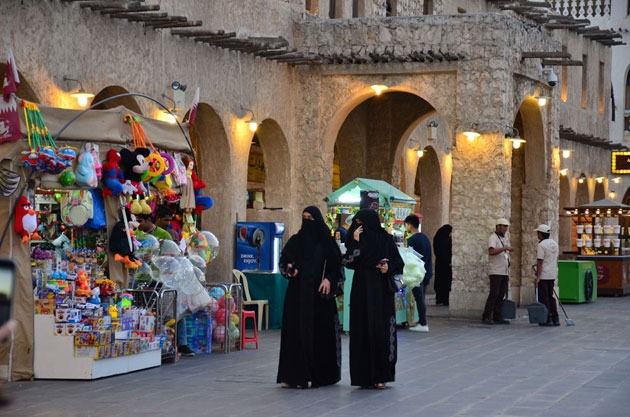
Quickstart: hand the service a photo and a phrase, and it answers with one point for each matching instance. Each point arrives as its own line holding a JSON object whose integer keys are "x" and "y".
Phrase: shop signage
{"x": 620, "y": 162}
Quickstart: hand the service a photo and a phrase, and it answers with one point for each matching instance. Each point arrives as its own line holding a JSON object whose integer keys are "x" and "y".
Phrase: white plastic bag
{"x": 414, "y": 272}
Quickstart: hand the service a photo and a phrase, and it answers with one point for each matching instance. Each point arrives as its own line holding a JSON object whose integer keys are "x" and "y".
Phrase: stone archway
{"x": 114, "y": 90}
{"x": 428, "y": 187}
{"x": 565, "y": 223}
{"x": 581, "y": 193}
{"x": 276, "y": 177}
{"x": 214, "y": 160}
{"x": 24, "y": 91}
{"x": 369, "y": 141}
{"x": 529, "y": 183}
{"x": 600, "y": 192}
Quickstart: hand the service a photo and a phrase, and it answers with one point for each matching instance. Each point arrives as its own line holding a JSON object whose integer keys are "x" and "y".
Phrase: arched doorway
{"x": 268, "y": 170}
{"x": 428, "y": 190}
{"x": 380, "y": 138}
{"x": 114, "y": 90}
{"x": 565, "y": 225}
{"x": 581, "y": 192}
{"x": 529, "y": 178}
{"x": 212, "y": 150}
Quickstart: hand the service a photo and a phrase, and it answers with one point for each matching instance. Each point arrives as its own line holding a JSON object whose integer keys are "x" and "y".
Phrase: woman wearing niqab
{"x": 373, "y": 255}
{"x": 310, "y": 344}
{"x": 442, "y": 247}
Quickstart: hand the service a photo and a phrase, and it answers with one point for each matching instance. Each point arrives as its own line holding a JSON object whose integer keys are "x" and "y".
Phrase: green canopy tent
{"x": 392, "y": 201}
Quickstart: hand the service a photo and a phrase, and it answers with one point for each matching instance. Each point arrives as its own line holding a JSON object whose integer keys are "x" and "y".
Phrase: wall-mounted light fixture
{"x": 514, "y": 137}
{"x": 612, "y": 194}
{"x": 599, "y": 180}
{"x": 432, "y": 127}
{"x": 379, "y": 88}
{"x": 172, "y": 113}
{"x": 564, "y": 172}
{"x": 471, "y": 134}
{"x": 253, "y": 123}
{"x": 616, "y": 180}
{"x": 541, "y": 97}
{"x": 176, "y": 85}
{"x": 82, "y": 96}
{"x": 581, "y": 178}
{"x": 566, "y": 153}
{"x": 420, "y": 152}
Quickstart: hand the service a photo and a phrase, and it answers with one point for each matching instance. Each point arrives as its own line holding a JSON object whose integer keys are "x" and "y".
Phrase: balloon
{"x": 214, "y": 306}
{"x": 234, "y": 318}
{"x": 236, "y": 333}
{"x": 213, "y": 244}
{"x": 197, "y": 261}
{"x": 67, "y": 178}
{"x": 216, "y": 293}
{"x": 220, "y": 315}
{"x": 219, "y": 334}
{"x": 169, "y": 248}
{"x": 200, "y": 275}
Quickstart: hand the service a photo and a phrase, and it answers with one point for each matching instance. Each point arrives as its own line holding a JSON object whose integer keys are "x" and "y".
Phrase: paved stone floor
{"x": 460, "y": 368}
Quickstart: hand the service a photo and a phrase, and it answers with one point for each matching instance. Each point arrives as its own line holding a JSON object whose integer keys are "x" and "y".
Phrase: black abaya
{"x": 373, "y": 341}
{"x": 442, "y": 248}
{"x": 310, "y": 345}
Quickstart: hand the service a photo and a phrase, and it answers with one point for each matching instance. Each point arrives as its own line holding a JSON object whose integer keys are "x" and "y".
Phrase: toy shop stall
{"x": 96, "y": 293}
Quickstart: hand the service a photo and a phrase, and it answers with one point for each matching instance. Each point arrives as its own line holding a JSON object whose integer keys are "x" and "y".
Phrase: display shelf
{"x": 54, "y": 357}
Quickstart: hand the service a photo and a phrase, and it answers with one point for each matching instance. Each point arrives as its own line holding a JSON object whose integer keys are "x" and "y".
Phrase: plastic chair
{"x": 262, "y": 305}
{"x": 246, "y": 314}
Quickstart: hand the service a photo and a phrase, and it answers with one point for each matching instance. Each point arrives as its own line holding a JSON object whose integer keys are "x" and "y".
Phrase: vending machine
{"x": 258, "y": 246}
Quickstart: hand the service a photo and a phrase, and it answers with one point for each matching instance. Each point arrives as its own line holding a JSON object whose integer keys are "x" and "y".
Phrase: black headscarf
{"x": 371, "y": 240}
{"x": 442, "y": 242}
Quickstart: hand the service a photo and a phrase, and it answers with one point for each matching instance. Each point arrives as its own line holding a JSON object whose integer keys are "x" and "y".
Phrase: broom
{"x": 567, "y": 319}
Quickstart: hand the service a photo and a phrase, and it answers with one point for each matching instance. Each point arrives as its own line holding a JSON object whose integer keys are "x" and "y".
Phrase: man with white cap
{"x": 546, "y": 273}
{"x": 498, "y": 269}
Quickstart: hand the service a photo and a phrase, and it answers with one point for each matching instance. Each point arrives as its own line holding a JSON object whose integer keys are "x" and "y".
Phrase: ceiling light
{"x": 379, "y": 88}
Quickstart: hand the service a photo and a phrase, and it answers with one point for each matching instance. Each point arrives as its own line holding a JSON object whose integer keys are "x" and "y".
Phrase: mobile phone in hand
{"x": 7, "y": 286}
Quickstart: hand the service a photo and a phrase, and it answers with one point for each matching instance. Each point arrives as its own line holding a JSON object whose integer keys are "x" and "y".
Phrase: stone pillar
{"x": 480, "y": 195}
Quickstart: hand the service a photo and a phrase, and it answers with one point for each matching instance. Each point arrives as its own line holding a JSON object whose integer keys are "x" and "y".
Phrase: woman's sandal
{"x": 380, "y": 385}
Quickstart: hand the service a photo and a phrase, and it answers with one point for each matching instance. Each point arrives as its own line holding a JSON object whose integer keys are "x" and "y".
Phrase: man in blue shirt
{"x": 421, "y": 244}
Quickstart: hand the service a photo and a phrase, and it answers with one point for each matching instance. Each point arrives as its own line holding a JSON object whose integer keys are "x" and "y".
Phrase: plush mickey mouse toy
{"x": 133, "y": 165}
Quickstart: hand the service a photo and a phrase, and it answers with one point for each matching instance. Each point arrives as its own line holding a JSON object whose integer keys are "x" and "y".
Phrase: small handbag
{"x": 335, "y": 289}
{"x": 396, "y": 283}
{"x": 508, "y": 309}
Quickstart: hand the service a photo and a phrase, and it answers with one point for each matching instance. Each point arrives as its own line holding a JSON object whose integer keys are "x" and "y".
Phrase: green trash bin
{"x": 577, "y": 281}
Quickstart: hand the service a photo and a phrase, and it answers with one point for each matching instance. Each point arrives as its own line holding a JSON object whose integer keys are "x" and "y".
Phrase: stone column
{"x": 480, "y": 195}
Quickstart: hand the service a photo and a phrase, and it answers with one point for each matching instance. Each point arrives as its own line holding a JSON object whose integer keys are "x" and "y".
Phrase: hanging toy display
{"x": 187, "y": 202}
{"x": 140, "y": 140}
{"x": 86, "y": 170}
{"x": 112, "y": 175}
{"x": 42, "y": 153}
{"x": 121, "y": 242}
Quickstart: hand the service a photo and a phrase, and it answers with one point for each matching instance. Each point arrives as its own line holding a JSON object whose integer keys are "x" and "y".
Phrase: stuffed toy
{"x": 201, "y": 202}
{"x": 86, "y": 171}
{"x": 119, "y": 243}
{"x": 25, "y": 220}
{"x": 112, "y": 174}
{"x": 133, "y": 165}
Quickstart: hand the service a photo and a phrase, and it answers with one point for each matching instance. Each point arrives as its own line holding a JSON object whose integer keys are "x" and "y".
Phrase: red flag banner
{"x": 9, "y": 116}
{"x": 193, "y": 109}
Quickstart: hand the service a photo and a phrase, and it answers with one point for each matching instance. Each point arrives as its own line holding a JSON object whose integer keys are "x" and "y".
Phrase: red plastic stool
{"x": 244, "y": 339}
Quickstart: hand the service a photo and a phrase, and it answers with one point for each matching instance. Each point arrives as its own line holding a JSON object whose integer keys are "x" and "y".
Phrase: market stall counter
{"x": 601, "y": 236}
{"x": 269, "y": 286}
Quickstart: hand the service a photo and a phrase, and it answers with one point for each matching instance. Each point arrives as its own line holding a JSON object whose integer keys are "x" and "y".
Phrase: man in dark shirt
{"x": 421, "y": 244}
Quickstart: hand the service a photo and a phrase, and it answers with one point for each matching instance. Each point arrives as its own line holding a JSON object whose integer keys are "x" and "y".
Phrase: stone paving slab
{"x": 460, "y": 368}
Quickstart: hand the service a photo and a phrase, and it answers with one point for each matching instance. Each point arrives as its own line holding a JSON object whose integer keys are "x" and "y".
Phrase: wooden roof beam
{"x": 561, "y": 63}
{"x": 546, "y": 54}
{"x": 139, "y": 17}
{"x": 168, "y": 25}
{"x": 135, "y": 9}
{"x": 169, "y": 19}
{"x": 188, "y": 33}
{"x": 565, "y": 25}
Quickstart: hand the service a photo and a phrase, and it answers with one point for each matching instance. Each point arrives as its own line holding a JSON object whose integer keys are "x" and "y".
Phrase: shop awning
{"x": 107, "y": 126}
{"x": 350, "y": 194}
{"x": 605, "y": 203}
